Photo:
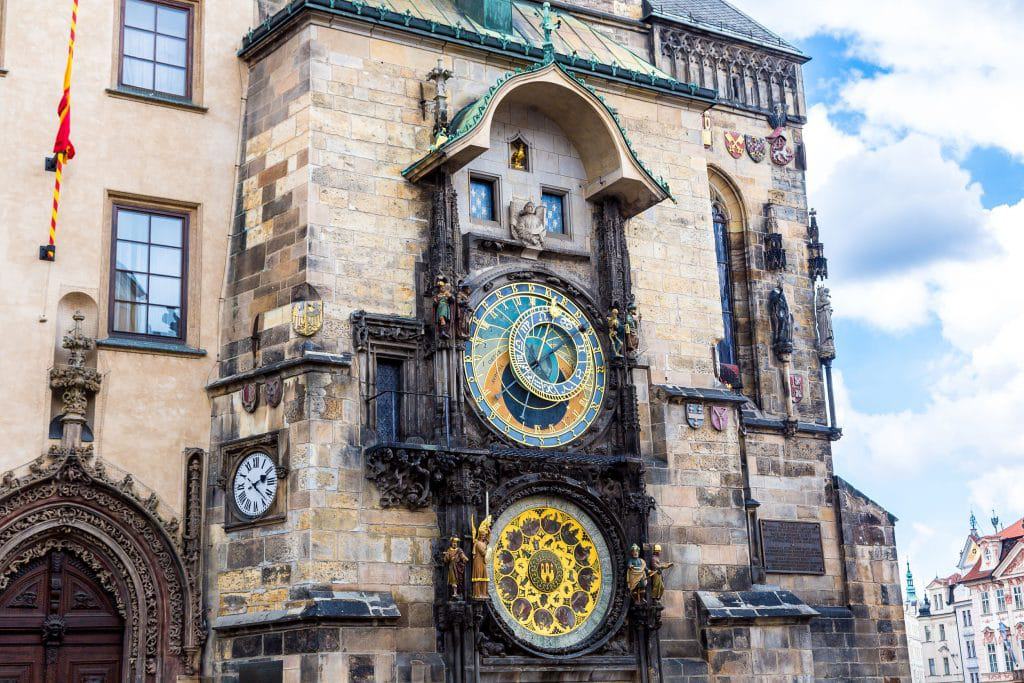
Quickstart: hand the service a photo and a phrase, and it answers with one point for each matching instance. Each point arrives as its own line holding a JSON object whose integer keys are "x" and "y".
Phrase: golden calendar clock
{"x": 534, "y": 364}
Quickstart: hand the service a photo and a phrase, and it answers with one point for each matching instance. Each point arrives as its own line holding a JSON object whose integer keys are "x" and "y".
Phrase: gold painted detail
{"x": 307, "y": 317}
{"x": 546, "y": 571}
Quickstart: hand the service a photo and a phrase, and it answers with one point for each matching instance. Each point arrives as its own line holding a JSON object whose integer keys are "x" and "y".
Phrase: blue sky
{"x": 918, "y": 177}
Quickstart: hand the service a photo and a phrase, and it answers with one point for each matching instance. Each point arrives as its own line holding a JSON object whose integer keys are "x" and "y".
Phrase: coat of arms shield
{"x": 719, "y": 417}
{"x": 273, "y": 390}
{"x": 734, "y": 143}
{"x": 796, "y": 387}
{"x": 782, "y": 154}
{"x": 250, "y": 397}
{"x": 757, "y": 148}
{"x": 307, "y": 317}
{"x": 695, "y": 414}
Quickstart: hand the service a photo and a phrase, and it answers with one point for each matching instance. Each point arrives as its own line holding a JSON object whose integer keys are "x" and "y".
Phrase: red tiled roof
{"x": 976, "y": 573}
{"x": 1015, "y": 530}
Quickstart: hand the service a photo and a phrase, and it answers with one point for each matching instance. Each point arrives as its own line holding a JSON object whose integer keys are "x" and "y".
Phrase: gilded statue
{"x": 631, "y": 329}
{"x": 658, "y": 568}
{"x": 481, "y": 543}
{"x": 636, "y": 575}
{"x": 455, "y": 561}
{"x": 615, "y": 331}
{"x": 528, "y": 226}
{"x": 519, "y": 159}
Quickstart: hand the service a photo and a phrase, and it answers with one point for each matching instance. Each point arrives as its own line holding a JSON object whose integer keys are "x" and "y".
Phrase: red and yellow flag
{"x": 63, "y": 150}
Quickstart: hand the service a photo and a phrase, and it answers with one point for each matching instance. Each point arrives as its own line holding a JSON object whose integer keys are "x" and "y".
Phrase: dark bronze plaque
{"x": 792, "y": 547}
{"x": 261, "y": 672}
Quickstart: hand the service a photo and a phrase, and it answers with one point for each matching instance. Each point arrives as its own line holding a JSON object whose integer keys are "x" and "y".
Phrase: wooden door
{"x": 57, "y": 625}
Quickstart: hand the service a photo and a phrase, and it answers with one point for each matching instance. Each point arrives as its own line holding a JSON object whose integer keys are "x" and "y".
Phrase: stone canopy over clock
{"x": 534, "y": 365}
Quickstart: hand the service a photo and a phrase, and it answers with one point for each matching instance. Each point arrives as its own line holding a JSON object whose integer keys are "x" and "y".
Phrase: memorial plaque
{"x": 792, "y": 547}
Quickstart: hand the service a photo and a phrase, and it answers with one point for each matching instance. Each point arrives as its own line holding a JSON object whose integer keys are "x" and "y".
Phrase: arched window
{"x": 726, "y": 347}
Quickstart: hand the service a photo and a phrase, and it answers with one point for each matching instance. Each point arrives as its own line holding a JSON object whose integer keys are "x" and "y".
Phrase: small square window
{"x": 481, "y": 199}
{"x": 147, "y": 276}
{"x": 554, "y": 212}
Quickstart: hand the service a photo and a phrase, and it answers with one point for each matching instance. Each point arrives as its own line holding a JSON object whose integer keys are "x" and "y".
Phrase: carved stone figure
{"x": 823, "y": 322}
{"x": 481, "y": 542}
{"x": 658, "y": 569}
{"x": 782, "y": 322}
{"x": 615, "y": 331}
{"x": 464, "y": 314}
{"x": 528, "y": 226}
{"x": 636, "y": 575}
{"x": 443, "y": 307}
{"x": 455, "y": 561}
{"x": 631, "y": 329}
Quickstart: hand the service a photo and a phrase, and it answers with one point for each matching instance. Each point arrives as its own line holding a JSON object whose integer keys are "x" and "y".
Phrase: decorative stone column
{"x": 76, "y": 381}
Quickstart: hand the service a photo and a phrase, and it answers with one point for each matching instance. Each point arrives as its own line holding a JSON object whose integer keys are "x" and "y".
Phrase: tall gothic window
{"x": 388, "y": 399}
{"x": 727, "y": 347}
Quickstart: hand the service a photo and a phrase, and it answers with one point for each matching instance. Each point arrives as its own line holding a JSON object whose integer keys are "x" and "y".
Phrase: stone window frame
{"x": 274, "y": 444}
{"x": 194, "y": 81}
{"x": 191, "y": 274}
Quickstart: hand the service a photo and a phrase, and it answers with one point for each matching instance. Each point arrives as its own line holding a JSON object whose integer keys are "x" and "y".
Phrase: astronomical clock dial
{"x": 534, "y": 365}
{"x": 551, "y": 573}
{"x": 255, "y": 484}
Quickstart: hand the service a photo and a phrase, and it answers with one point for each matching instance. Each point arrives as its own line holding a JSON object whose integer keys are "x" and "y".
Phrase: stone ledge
{"x": 754, "y": 606}
{"x": 158, "y": 100}
{"x": 313, "y": 358}
{"x": 338, "y": 607}
{"x": 674, "y": 392}
{"x": 532, "y": 664}
{"x": 147, "y": 346}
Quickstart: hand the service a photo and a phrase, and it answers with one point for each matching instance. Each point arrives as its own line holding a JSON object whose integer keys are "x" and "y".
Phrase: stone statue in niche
{"x": 463, "y": 313}
{"x": 636, "y": 575}
{"x": 455, "y": 562}
{"x": 823, "y": 321}
{"x": 658, "y": 568}
{"x": 443, "y": 306}
{"x": 481, "y": 542}
{"x": 519, "y": 155}
{"x": 528, "y": 224}
{"x": 782, "y": 322}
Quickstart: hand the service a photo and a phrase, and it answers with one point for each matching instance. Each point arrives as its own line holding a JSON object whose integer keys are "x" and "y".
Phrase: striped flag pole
{"x": 63, "y": 150}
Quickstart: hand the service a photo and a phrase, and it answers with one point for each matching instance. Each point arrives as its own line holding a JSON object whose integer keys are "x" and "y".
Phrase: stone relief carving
{"x": 528, "y": 223}
{"x": 782, "y": 322}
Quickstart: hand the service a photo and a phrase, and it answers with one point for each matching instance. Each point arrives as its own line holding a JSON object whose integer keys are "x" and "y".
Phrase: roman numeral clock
{"x": 255, "y": 481}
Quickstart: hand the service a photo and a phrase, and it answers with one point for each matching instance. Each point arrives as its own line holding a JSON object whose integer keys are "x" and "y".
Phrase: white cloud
{"x": 1001, "y": 489}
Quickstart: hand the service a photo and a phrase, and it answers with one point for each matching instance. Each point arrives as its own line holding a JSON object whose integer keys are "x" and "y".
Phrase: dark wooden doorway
{"x": 58, "y": 625}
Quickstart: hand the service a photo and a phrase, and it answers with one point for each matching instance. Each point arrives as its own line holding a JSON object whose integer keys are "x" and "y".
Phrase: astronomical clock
{"x": 534, "y": 364}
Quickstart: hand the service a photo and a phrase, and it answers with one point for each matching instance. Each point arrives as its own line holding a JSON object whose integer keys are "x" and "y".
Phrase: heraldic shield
{"x": 734, "y": 143}
{"x": 307, "y": 317}
{"x": 757, "y": 148}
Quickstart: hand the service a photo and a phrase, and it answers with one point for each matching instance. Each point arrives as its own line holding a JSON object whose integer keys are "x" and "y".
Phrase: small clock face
{"x": 534, "y": 365}
{"x": 255, "y": 484}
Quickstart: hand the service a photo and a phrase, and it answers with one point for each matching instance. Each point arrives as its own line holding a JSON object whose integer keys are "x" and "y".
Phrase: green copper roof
{"x": 576, "y": 45}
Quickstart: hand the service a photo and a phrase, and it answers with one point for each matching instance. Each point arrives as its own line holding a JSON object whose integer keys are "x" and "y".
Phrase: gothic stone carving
{"x": 69, "y": 502}
{"x": 370, "y": 327}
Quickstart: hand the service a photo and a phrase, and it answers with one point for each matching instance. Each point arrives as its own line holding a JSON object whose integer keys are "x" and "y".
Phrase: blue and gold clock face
{"x": 534, "y": 365}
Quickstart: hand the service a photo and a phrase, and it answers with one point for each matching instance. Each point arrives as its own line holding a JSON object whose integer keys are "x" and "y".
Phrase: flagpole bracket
{"x": 50, "y": 164}
{"x": 48, "y": 252}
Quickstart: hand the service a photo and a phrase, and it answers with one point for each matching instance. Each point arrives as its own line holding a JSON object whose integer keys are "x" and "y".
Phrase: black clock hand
{"x": 551, "y": 350}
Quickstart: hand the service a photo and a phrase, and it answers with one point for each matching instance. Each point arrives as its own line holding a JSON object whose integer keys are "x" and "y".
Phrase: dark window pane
{"x": 165, "y": 261}
{"x": 130, "y": 318}
{"x": 172, "y": 21}
{"x": 164, "y": 321}
{"x": 131, "y": 286}
{"x": 167, "y": 230}
{"x": 169, "y": 79}
{"x": 481, "y": 200}
{"x": 140, "y": 14}
{"x": 138, "y": 73}
{"x": 165, "y": 291}
{"x": 132, "y": 225}
{"x": 388, "y": 400}
{"x": 131, "y": 256}
{"x": 138, "y": 43}
{"x": 170, "y": 51}
{"x": 554, "y": 219}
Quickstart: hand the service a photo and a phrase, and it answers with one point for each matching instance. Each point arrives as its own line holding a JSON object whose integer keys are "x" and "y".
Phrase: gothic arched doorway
{"x": 57, "y": 623}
